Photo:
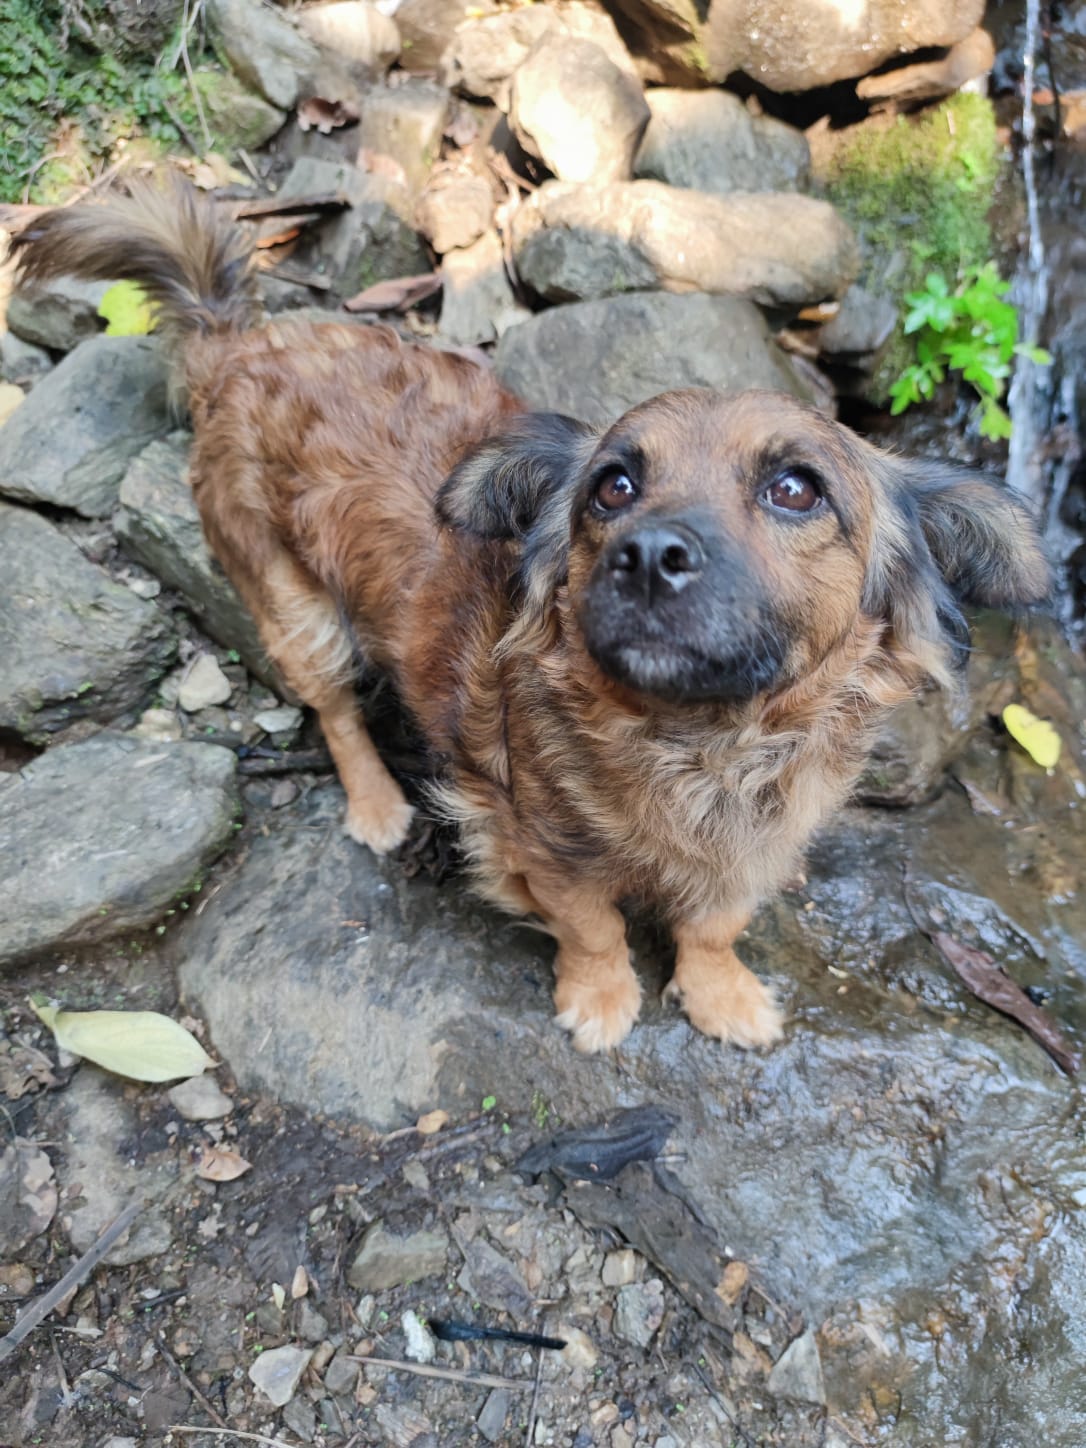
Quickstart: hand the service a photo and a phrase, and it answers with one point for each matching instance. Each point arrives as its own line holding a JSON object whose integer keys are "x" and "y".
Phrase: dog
{"x": 648, "y": 658}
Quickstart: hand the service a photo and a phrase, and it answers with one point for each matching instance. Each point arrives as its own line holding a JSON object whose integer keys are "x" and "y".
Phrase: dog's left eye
{"x": 793, "y": 492}
{"x": 614, "y": 491}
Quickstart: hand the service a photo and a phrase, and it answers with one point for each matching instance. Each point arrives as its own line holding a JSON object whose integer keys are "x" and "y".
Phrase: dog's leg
{"x": 716, "y": 990}
{"x": 377, "y": 813}
{"x": 596, "y": 993}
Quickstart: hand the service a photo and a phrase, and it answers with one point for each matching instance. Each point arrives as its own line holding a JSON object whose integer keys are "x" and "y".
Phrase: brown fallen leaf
{"x": 395, "y": 295}
{"x": 325, "y": 116}
{"x": 216, "y": 1164}
{"x": 991, "y": 985}
{"x": 23, "y": 1069}
{"x": 431, "y": 1123}
{"x": 380, "y": 163}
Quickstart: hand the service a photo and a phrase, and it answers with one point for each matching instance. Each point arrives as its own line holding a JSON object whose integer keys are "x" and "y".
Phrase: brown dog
{"x": 650, "y": 661}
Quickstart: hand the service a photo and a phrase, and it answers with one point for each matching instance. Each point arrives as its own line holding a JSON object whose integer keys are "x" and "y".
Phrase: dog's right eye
{"x": 614, "y": 491}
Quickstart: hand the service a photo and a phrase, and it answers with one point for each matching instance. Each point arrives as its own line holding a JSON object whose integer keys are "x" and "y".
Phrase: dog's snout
{"x": 657, "y": 558}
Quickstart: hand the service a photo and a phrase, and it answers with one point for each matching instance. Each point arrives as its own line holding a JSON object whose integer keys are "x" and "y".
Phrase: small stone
{"x": 797, "y": 1373}
{"x": 278, "y": 1372}
{"x": 414, "y": 1174}
{"x": 579, "y": 1351}
{"x": 278, "y": 721}
{"x": 283, "y": 792}
{"x": 491, "y": 1278}
{"x": 457, "y": 213}
{"x": 640, "y": 1311}
{"x": 491, "y": 1421}
{"x": 312, "y": 1325}
{"x": 421, "y": 1345}
{"x": 21, "y": 362}
{"x": 300, "y": 1417}
{"x": 619, "y": 1268}
{"x": 621, "y": 1437}
{"x": 388, "y": 1261}
{"x": 159, "y": 725}
{"x": 341, "y": 1374}
{"x": 732, "y": 1282}
{"x": 200, "y": 1099}
{"x": 204, "y": 684}
{"x": 238, "y": 117}
{"x": 119, "y": 1443}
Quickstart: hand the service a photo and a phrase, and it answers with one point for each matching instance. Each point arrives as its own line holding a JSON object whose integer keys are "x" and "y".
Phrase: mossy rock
{"x": 237, "y": 118}
{"x": 917, "y": 191}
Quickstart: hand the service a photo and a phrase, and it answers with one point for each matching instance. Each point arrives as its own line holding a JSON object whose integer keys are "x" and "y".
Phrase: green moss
{"x": 917, "y": 192}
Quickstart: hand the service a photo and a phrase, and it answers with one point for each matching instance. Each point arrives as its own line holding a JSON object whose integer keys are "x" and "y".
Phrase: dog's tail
{"x": 194, "y": 263}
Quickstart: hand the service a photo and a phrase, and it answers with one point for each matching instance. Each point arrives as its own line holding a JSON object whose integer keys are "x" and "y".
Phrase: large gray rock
{"x": 73, "y": 644}
{"x": 71, "y": 440}
{"x": 21, "y": 362}
{"x": 99, "y": 838}
{"x": 264, "y": 48}
{"x": 159, "y": 525}
{"x": 596, "y": 359}
{"x": 707, "y": 140}
{"x": 406, "y": 122}
{"x": 780, "y": 250}
{"x": 59, "y": 314}
{"x": 575, "y": 109}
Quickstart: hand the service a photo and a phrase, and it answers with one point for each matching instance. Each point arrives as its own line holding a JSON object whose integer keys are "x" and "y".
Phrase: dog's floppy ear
{"x": 500, "y": 488}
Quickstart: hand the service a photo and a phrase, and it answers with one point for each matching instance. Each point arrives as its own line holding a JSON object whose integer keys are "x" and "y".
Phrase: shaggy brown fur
{"x": 650, "y": 662}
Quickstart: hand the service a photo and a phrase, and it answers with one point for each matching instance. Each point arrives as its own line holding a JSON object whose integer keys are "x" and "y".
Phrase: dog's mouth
{"x": 681, "y": 673}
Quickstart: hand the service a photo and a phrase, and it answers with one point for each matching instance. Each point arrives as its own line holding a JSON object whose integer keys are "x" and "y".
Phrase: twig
{"x": 184, "y": 1377}
{"x": 528, "y": 1437}
{"x": 72, "y": 1278}
{"x": 454, "y": 1375}
{"x": 185, "y": 25}
{"x": 319, "y": 201}
{"x": 228, "y": 1433}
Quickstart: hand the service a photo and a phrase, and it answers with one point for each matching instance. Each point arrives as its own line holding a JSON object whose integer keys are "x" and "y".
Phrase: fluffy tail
{"x": 194, "y": 263}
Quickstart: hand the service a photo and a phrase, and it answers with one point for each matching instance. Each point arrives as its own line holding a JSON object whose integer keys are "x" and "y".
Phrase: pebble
{"x": 200, "y": 1099}
{"x": 619, "y": 1268}
{"x": 312, "y": 1325}
{"x": 386, "y": 1260}
{"x": 204, "y": 684}
{"x": 278, "y": 721}
{"x": 278, "y": 1372}
{"x": 797, "y": 1373}
{"x": 341, "y": 1374}
{"x": 491, "y": 1421}
{"x": 421, "y": 1346}
{"x": 580, "y": 1350}
{"x": 159, "y": 725}
{"x": 640, "y": 1311}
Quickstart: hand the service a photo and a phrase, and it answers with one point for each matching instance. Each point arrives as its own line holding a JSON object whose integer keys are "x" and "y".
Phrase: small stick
{"x": 184, "y": 1377}
{"x": 228, "y": 1433}
{"x": 72, "y": 1278}
{"x": 454, "y": 1375}
{"x": 535, "y": 1400}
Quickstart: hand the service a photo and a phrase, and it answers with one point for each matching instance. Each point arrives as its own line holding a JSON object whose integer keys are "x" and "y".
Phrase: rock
{"x": 421, "y": 1344}
{"x": 364, "y": 38}
{"x": 484, "y": 53}
{"x": 386, "y": 1260}
{"x": 99, "y": 838}
{"x": 98, "y": 1178}
{"x": 797, "y": 1373}
{"x": 491, "y": 1421}
{"x": 238, "y": 118}
{"x": 593, "y": 360}
{"x": 59, "y": 314}
{"x": 159, "y": 526}
{"x": 574, "y": 108}
{"x": 639, "y": 1311}
{"x": 477, "y": 301}
{"x": 619, "y": 1268}
{"x": 204, "y": 684}
{"x": 11, "y": 397}
{"x": 406, "y": 122}
{"x": 278, "y": 721}
{"x": 782, "y": 250}
{"x": 341, "y": 1374}
{"x": 707, "y": 140}
{"x": 458, "y": 212}
{"x": 300, "y": 1417}
{"x": 428, "y": 26}
{"x": 264, "y": 48}
{"x": 72, "y": 439}
{"x": 861, "y": 328}
{"x": 491, "y": 1278}
{"x": 28, "y": 1196}
{"x": 278, "y": 1371}
{"x": 23, "y": 363}
{"x": 73, "y": 644}
{"x": 200, "y": 1099}
{"x": 312, "y": 1325}
{"x": 966, "y": 61}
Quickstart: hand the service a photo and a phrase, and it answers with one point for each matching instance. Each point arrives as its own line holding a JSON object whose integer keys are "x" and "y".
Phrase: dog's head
{"x": 718, "y": 547}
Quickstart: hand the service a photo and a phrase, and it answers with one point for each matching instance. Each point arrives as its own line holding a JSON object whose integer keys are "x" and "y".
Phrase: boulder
{"x": 158, "y": 524}
{"x": 406, "y": 122}
{"x": 238, "y": 118}
{"x": 264, "y": 48}
{"x": 58, "y": 314}
{"x": 707, "y": 140}
{"x": 780, "y": 250}
{"x": 477, "y": 302}
{"x": 364, "y": 37}
{"x": 593, "y": 360}
{"x": 575, "y": 109}
{"x": 74, "y": 645}
{"x": 100, "y": 838}
{"x": 71, "y": 441}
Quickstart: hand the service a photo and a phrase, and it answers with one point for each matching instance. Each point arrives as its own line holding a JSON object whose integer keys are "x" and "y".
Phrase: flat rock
{"x": 159, "y": 525}
{"x": 73, "y": 644}
{"x": 779, "y": 249}
{"x": 639, "y": 1311}
{"x": 707, "y": 140}
{"x": 477, "y": 301}
{"x": 278, "y": 1372}
{"x": 71, "y": 441}
{"x": 200, "y": 1099}
{"x": 99, "y": 838}
{"x": 386, "y": 1260}
{"x": 264, "y": 48}
{"x": 489, "y": 1277}
{"x": 576, "y": 110}
{"x": 58, "y": 314}
{"x": 406, "y": 122}
{"x": 797, "y": 1373}
{"x": 594, "y": 360}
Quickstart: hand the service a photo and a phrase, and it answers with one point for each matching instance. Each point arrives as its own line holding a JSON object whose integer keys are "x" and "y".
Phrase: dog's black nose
{"x": 657, "y": 559}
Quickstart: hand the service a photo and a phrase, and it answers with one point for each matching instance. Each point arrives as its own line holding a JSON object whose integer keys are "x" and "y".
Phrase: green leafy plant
{"x": 971, "y": 330}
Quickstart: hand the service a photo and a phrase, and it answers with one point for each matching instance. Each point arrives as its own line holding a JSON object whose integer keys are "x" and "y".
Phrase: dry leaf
{"x": 324, "y": 115}
{"x": 28, "y": 1193}
{"x": 143, "y": 1045}
{"x": 395, "y": 295}
{"x": 731, "y": 1285}
{"x": 23, "y": 1069}
{"x": 216, "y": 1164}
{"x": 432, "y": 1122}
{"x": 1036, "y": 736}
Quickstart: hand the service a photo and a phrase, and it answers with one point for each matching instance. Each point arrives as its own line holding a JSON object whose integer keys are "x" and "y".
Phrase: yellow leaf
{"x": 142, "y": 1045}
{"x": 1036, "y": 736}
{"x": 430, "y": 1123}
{"x": 216, "y": 1164}
{"x": 127, "y": 310}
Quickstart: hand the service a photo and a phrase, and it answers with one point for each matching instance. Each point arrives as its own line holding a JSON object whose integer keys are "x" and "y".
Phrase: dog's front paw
{"x": 599, "y": 1015}
{"x": 736, "y": 1008}
{"x": 380, "y": 823}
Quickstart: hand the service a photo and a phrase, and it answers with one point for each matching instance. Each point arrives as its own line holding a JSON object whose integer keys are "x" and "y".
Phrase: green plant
{"x": 971, "y": 330}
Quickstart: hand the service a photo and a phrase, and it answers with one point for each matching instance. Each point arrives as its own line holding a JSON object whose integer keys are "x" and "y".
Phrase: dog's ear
{"x": 503, "y": 485}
